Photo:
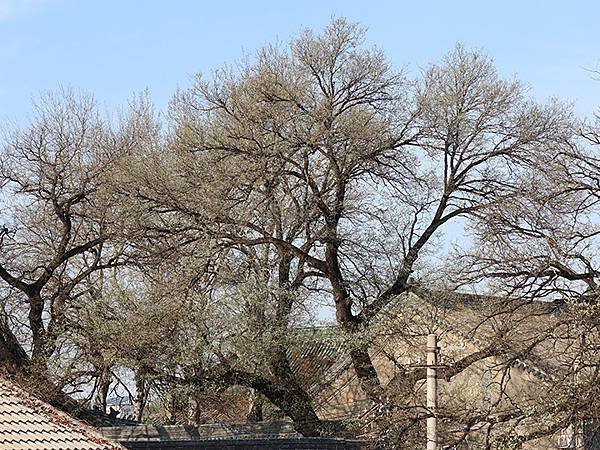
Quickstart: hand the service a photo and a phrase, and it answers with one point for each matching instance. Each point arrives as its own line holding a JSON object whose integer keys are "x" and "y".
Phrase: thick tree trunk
{"x": 295, "y": 401}
{"x": 13, "y": 357}
{"x": 141, "y": 396}
{"x": 366, "y": 374}
{"x": 102, "y": 388}
{"x": 175, "y": 408}
{"x": 297, "y": 405}
{"x": 38, "y": 331}
{"x": 292, "y": 400}
{"x": 361, "y": 360}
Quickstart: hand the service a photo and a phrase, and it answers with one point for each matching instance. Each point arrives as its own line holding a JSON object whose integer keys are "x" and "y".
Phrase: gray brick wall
{"x": 248, "y": 444}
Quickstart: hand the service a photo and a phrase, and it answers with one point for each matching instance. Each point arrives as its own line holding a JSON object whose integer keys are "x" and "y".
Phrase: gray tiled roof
{"x": 27, "y": 423}
{"x": 212, "y": 431}
{"x": 317, "y": 356}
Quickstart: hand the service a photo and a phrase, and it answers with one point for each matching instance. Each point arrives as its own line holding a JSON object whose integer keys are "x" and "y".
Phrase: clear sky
{"x": 113, "y": 48}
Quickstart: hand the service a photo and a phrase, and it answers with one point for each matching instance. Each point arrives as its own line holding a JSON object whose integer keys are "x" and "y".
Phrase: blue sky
{"x": 115, "y": 48}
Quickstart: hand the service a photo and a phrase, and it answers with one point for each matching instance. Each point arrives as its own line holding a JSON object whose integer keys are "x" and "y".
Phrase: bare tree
{"x": 539, "y": 243}
{"x": 324, "y": 174}
{"x": 311, "y": 175}
{"x": 57, "y": 217}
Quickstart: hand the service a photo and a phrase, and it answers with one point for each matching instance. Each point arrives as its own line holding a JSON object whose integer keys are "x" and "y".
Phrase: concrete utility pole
{"x": 432, "y": 391}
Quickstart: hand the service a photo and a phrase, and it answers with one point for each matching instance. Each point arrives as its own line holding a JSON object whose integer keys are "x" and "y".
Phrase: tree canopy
{"x": 191, "y": 248}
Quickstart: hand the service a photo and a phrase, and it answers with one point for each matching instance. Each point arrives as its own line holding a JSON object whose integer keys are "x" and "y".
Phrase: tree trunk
{"x": 197, "y": 418}
{"x": 287, "y": 395}
{"x": 102, "y": 388}
{"x": 361, "y": 360}
{"x": 366, "y": 374}
{"x": 13, "y": 357}
{"x": 38, "y": 332}
{"x": 141, "y": 396}
{"x": 255, "y": 412}
{"x": 297, "y": 405}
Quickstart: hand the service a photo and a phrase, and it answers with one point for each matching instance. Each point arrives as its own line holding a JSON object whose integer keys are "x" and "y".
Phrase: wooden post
{"x": 432, "y": 391}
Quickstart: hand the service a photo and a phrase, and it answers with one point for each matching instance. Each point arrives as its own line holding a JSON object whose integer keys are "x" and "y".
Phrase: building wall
{"x": 249, "y": 444}
{"x": 476, "y": 389}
